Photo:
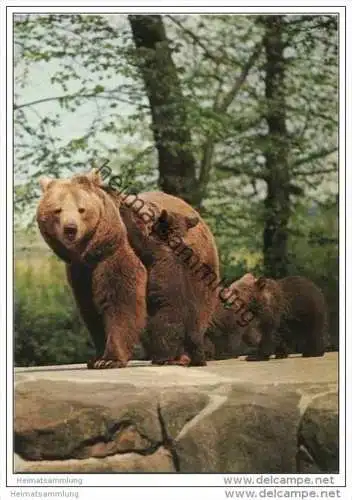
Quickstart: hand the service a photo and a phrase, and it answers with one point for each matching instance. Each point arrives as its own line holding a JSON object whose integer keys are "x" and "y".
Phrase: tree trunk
{"x": 277, "y": 202}
{"x": 177, "y": 165}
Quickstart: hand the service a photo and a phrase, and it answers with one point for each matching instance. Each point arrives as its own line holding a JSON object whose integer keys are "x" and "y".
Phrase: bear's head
{"x": 170, "y": 224}
{"x": 70, "y": 212}
{"x": 248, "y": 302}
{"x": 266, "y": 304}
{"x": 240, "y": 290}
{"x": 255, "y": 292}
{"x": 233, "y": 319}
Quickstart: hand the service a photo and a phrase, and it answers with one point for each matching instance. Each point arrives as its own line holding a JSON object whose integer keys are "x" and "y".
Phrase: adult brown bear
{"x": 274, "y": 315}
{"x": 83, "y": 226}
{"x": 89, "y": 228}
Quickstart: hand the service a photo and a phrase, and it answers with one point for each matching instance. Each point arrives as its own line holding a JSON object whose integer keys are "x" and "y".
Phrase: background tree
{"x": 176, "y": 162}
{"x": 277, "y": 200}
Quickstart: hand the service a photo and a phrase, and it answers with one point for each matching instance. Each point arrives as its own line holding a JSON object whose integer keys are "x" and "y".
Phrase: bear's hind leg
{"x": 316, "y": 338}
{"x": 314, "y": 347}
{"x": 163, "y": 339}
{"x": 196, "y": 326}
{"x": 194, "y": 348}
{"x": 265, "y": 349}
{"x": 80, "y": 280}
{"x": 183, "y": 360}
{"x": 281, "y": 351}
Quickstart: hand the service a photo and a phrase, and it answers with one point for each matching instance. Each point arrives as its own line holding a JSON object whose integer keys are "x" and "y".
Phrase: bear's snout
{"x": 70, "y": 230}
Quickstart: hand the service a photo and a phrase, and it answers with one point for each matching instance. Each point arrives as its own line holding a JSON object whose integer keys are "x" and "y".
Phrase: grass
{"x": 48, "y": 329}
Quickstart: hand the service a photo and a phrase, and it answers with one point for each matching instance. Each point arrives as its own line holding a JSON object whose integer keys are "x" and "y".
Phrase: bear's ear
{"x": 261, "y": 282}
{"x": 247, "y": 279}
{"x": 191, "y": 221}
{"x": 44, "y": 183}
{"x": 95, "y": 177}
{"x": 91, "y": 178}
{"x": 162, "y": 225}
{"x": 164, "y": 217}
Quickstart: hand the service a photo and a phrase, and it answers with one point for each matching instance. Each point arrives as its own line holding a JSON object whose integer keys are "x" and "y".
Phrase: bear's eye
{"x": 81, "y": 210}
{"x": 57, "y": 210}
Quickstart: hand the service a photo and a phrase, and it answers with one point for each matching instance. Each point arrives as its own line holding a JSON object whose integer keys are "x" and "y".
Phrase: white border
{"x": 347, "y": 225}
{"x": 252, "y": 7}
{"x": 249, "y": 7}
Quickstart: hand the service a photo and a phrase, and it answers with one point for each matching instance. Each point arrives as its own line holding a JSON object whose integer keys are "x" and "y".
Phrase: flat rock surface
{"x": 230, "y": 416}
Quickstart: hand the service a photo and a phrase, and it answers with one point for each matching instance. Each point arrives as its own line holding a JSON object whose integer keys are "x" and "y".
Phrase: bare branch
{"x": 95, "y": 95}
{"x": 232, "y": 93}
{"x": 316, "y": 172}
{"x": 195, "y": 38}
{"x": 312, "y": 113}
{"x": 313, "y": 156}
{"x": 240, "y": 171}
{"x": 221, "y": 105}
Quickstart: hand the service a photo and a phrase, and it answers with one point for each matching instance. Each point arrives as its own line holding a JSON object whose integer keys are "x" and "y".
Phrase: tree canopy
{"x": 237, "y": 114}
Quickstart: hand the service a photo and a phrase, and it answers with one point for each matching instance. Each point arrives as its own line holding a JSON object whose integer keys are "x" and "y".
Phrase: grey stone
{"x": 251, "y": 432}
{"x": 318, "y": 435}
{"x": 177, "y": 408}
{"x": 228, "y": 417}
{"x": 159, "y": 461}
{"x": 56, "y": 420}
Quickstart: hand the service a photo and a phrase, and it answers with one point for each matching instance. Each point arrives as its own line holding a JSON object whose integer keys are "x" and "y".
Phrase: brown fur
{"x": 229, "y": 324}
{"x": 287, "y": 313}
{"x": 179, "y": 302}
{"x": 305, "y": 320}
{"x": 201, "y": 241}
{"x": 107, "y": 278}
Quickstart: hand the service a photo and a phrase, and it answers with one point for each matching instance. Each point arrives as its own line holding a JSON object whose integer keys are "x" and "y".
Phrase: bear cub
{"x": 274, "y": 316}
{"x": 172, "y": 335}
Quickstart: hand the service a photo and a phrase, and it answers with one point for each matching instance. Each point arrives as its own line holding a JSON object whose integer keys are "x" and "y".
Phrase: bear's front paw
{"x": 198, "y": 362}
{"x": 161, "y": 361}
{"x": 281, "y": 355}
{"x": 256, "y": 357}
{"x": 102, "y": 364}
{"x": 183, "y": 360}
{"x": 311, "y": 354}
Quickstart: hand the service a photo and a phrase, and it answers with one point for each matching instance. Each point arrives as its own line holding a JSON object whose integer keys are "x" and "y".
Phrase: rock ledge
{"x": 231, "y": 416}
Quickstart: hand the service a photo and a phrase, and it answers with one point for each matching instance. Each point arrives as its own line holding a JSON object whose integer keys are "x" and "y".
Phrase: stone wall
{"x": 232, "y": 416}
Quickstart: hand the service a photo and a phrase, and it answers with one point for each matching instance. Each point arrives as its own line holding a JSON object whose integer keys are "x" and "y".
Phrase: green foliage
{"x": 83, "y": 58}
{"x": 48, "y": 329}
{"x": 314, "y": 253}
{"x": 221, "y": 67}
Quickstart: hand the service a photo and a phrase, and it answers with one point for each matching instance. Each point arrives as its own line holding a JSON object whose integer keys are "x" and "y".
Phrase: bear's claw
{"x": 183, "y": 360}
{"x": 102, "y": 364}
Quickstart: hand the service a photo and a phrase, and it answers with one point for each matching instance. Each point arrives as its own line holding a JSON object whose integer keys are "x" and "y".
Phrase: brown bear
{"x": 282, "y": 314}
{"x": 83, "y": 226}
{"x": 173, "y": 334}
{"x": 180, "y": 254}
